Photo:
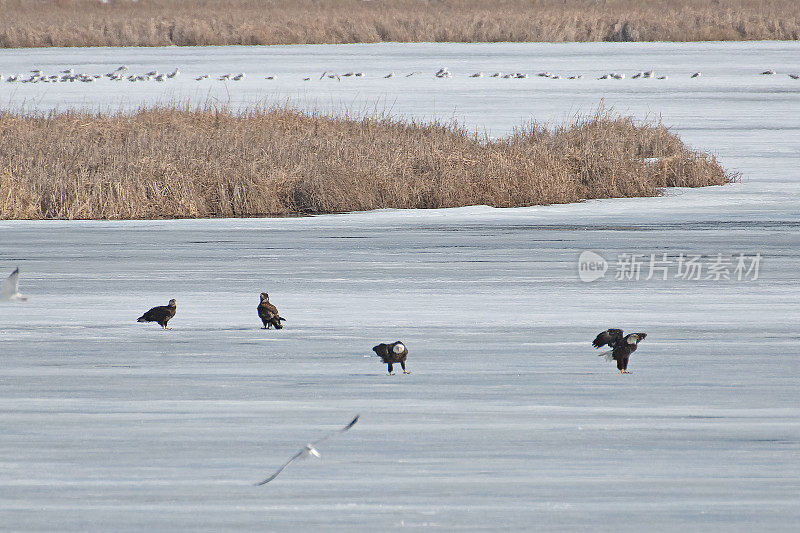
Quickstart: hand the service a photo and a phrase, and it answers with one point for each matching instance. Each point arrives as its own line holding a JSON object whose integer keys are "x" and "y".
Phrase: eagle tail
{"x": 608, "y": 354}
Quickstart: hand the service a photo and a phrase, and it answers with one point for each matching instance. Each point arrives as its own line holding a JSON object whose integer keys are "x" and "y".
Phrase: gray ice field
{"x": 509, "y": 420}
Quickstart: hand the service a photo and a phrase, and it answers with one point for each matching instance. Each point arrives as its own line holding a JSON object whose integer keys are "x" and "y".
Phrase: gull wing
{"x": 9, "y": 287}
{"x": 332, "y": 433}
{"x": 278, "y": 471}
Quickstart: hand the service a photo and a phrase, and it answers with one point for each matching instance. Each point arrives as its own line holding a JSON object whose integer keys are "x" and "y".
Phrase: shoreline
{"x": 169, "y": 163}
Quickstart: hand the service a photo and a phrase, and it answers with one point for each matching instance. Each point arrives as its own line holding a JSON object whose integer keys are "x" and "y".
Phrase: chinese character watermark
{"x": 662, "y": 267}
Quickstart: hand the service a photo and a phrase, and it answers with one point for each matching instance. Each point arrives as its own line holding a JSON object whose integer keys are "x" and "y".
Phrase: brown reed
{"x": 211, "y": 162}
{"x": 38, "y": 23}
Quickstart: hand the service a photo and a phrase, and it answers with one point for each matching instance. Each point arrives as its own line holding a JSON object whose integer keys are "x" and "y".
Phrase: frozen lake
{"x": 509, "y": 419}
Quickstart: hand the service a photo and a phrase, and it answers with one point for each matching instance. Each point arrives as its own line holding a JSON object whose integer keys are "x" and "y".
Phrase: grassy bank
{"x": 37, "y": 23}
{"x": 171, "y": 163}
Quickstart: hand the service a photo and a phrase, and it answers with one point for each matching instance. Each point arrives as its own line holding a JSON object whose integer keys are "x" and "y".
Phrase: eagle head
{"x": 635, "y": 338}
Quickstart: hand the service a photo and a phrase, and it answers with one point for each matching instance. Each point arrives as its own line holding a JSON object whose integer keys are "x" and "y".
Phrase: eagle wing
{"x": 157, "y": 313}
{"x": 609, "y": 337}
{"x": 267, "y": 311}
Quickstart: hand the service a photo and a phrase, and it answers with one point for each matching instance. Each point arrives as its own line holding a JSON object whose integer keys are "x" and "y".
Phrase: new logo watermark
{"x": 591, "y": 266}
{"x": 686, "y": 267}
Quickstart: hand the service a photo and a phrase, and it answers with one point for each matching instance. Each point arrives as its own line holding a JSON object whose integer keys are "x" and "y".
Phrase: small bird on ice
{"x": 308, "y": 450}
{"x": 9, "y": 288}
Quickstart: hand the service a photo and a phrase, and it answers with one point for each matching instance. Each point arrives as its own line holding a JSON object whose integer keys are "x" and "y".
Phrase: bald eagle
{"x": 268, "y": 313}
{"x": 622, "y": 346}
{"x": 395, "y": 352}
{"x": 160, "y": 314}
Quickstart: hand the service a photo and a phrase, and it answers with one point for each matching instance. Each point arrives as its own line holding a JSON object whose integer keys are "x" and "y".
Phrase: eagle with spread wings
{"x": 622, "y": 346}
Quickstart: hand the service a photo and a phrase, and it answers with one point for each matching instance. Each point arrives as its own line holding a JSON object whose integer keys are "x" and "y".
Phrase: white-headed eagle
{"x": 622, "y": 346}
{"x": 395, "y": 352}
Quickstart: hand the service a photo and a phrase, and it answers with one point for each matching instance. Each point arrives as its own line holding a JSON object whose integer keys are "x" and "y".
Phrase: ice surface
{"x": 508, "y": 420}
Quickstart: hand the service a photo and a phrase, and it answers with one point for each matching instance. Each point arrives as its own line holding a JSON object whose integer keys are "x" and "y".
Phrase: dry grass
{"x": 171, "y": 163}
{"x": 36, "y": 23}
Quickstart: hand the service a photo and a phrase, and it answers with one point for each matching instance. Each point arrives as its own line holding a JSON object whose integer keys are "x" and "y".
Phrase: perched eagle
{"x": 393, "y": 353}
{"x": 9, "y": 287}
{"x": 160, "y": 314}
{"x": 622, "y": 346}
{"x": 268, "y": 313}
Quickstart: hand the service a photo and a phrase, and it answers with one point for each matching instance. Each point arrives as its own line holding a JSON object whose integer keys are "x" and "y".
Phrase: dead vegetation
{"x": 210, "y": 162}
{"x": 38, "y": 23}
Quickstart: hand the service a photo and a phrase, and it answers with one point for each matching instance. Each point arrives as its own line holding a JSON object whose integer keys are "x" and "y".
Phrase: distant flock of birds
{"x": 69, "y": 75}
{"x": 121, "y": 73}
{"x": 622, "y": 346}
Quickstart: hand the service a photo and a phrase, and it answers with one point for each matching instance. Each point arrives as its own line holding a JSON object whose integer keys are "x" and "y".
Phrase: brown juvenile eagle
{"x": 269, "y": 313}
{"x": 160, "y": 314}
{"x": 622, "y": 346}
{"x": 393, "y": 353}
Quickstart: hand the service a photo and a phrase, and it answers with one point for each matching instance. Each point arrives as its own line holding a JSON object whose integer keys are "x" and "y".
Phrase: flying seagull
{"x": 308, "y": 450}
{"x": 622, "y": 346}
{"x": 160, "y": 314}
{"x": 9, "y": 288}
